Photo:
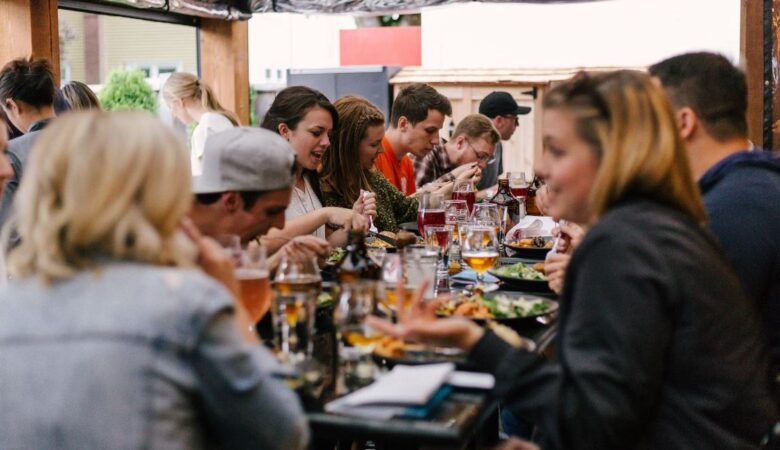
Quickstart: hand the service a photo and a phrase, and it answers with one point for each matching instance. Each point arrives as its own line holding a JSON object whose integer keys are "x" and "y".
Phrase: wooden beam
{"x": 775, "y": 62}
{"x": 30, "y": 27}
{"x": 752, "y": 50}
{"x": 224, "y": 60}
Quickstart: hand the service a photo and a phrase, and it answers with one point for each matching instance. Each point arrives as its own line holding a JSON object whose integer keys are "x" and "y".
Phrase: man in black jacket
{"x": 740, "y": 187}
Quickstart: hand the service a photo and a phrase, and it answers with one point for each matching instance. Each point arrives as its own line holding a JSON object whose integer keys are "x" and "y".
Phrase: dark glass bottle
{"x": 356, "y": 264}
{"x": 504, "y": 198}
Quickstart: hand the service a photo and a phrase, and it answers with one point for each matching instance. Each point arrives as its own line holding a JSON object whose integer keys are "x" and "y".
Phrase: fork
{"x": 371, "y": 227}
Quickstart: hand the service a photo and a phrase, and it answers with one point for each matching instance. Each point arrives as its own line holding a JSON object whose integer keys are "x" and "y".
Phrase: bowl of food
{"x": 532, "y": 248}
{"x": 513, "y": 309}
{"x": 522, "y": 275}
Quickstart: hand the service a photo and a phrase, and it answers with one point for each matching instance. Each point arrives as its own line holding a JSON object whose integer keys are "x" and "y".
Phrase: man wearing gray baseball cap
{"x": 245, "y": 187}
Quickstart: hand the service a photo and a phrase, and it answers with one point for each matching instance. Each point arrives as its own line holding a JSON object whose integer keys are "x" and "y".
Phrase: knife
{"x": 382, "y": 237}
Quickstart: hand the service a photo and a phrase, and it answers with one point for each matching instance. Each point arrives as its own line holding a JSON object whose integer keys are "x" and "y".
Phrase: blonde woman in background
{"x": 106, "y": 290}
{"x": 80, "y": 96}
{"x": 192, "y": 100}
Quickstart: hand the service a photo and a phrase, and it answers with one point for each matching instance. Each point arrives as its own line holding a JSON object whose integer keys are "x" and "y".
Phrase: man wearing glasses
{"x": 464, "y": 156}
{"x": 503, "y": 110}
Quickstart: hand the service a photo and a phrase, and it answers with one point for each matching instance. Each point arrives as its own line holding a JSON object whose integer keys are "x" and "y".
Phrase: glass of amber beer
{"x": 253, "y": 278}
{"x": 480, "y": 249}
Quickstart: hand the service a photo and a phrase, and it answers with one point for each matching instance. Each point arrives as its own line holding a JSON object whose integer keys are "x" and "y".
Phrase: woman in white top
{"x": 305, "y": 118}
{"x": 191, "y": 100}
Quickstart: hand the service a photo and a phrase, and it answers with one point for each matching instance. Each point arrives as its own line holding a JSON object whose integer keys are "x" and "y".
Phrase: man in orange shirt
{"x": 415, "y": 120}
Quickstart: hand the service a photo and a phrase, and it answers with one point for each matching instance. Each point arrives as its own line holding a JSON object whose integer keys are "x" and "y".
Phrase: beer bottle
{"x": 356, "y": 264}
{"x": 505, "y": 199}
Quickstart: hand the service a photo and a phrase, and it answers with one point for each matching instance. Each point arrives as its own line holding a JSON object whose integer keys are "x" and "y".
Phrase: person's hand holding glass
{"x": 479, "y": 247}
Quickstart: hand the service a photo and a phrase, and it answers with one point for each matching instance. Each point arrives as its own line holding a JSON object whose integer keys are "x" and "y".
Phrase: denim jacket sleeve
{"x": 245, "y": 406}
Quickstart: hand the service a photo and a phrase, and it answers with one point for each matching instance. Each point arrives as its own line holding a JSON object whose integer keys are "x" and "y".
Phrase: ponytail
{"x": 211, "y": 103}
{"x": 186, "y": 85}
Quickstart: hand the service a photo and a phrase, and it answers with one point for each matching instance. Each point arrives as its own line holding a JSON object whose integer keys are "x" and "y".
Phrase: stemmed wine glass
{"x": 466, "y": 191}
{"x": 479, "y": 247}
{"x": 297, "y": 285}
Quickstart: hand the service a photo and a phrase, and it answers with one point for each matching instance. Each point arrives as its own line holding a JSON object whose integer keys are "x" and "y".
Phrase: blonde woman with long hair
{"x": 658, "y": 347}
{"x": 108, "y": 315}
{"x": 192, "y": 100}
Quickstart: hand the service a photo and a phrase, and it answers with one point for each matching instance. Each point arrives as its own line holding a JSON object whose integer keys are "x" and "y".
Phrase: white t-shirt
{"x": 304, "y": 202}
{"x": 210, "y": 123}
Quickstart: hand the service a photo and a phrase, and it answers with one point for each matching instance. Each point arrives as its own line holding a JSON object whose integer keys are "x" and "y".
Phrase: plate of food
{"x": 375, "y": 242}
{"x": 513, "y": 309}
{"x": 532, "y": 248}
{"x": 391, "y": 351}
{"x": 522, "y": 275}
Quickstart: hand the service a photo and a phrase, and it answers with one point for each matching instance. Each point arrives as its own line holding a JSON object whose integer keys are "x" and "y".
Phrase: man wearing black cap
{"x": 503, "y": 110}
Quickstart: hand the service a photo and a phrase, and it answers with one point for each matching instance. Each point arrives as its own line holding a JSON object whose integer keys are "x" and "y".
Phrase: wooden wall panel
{"x": 30, "y": 27}
{"x": 752, "y": 49}
{"x": 224, "y": 61}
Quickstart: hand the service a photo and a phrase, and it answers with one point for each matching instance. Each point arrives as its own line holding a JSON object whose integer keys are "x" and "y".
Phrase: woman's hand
{"x": 306, "y": 246}
{"x": 346, "y": 218}
{"x": 555, "y": 265}
{"x": 569, "y": 236}
{"x": 417, "y": 322}
{"x": 365, "y": 204}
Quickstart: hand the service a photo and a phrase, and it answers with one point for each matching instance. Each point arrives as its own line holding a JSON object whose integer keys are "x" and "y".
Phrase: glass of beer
{"x": 480, "y": 249}
{"x": 297, "y": 285}
{"x": 253, "y": 279}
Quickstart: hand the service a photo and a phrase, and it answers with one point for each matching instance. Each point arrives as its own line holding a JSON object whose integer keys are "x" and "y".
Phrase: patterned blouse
{"x": 392, "y": 207}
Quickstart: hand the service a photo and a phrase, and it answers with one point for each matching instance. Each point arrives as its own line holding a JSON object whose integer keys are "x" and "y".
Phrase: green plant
{"x": 253, "y": 93}
{"x": 127, "y": 89}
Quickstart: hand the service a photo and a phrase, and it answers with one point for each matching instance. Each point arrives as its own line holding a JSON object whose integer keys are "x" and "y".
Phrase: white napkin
{"x": 531, "y": 226}
{"x": 404, "y": 385}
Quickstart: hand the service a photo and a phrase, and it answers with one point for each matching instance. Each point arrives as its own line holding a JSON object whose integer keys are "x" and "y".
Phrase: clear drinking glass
{"x": 465, "y": 190}
{"x": 487, "y": 214}
{"x": 357, "y": 340}
{"x": 232, "y": 245}
{"x": 297, "y": 285}
{"x": 518, "y": 184}
{"x": 480, "y": 249}
{"x": 440, "y": 237}
{"x": 419, "y": 263}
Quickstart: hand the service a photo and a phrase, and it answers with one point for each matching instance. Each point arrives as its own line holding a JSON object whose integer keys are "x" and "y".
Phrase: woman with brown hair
{"x": 348, "y": 168}
{"x": 192, "y": 100}
{"x": 658, "y": 347}
{"x": 306, "y": 118}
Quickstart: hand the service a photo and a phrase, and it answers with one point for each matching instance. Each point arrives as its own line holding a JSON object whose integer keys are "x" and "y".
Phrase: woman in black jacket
{"x": 657, "y": 345}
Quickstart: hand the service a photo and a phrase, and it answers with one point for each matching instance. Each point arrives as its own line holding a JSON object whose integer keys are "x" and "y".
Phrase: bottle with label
{"x": 356, "y": 264}
{"x": 505, "y": 199}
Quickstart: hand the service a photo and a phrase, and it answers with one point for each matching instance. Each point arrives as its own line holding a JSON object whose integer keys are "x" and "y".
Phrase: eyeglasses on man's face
{"x": 481, "y": 156}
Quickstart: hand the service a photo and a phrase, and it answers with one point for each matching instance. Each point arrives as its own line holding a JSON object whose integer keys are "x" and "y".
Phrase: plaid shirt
{"x": 435, "y": 166}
